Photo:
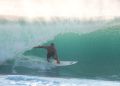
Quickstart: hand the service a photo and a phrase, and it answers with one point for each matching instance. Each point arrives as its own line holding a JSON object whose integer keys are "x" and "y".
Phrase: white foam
{"x": 21, "y": 80}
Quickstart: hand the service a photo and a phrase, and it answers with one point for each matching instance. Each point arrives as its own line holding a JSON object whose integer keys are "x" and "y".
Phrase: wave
{"x": 93, "y": 43}
{"x": 16, "y": 38}
{"x": 97, "y": 53}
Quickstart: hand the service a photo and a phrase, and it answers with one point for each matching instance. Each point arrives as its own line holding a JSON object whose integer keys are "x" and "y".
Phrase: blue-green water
{"x": 97, "y": 53}
{"x": 94, "y": 44}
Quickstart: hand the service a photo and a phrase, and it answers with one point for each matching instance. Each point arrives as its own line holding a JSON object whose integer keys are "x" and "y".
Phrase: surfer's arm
{"x": 40, "y": 47}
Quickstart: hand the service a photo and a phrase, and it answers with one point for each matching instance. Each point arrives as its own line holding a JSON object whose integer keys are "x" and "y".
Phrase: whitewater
{"x": 21, "y": 80}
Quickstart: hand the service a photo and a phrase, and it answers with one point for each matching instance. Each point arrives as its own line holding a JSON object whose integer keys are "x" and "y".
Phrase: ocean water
{"x": 95, "y": 44}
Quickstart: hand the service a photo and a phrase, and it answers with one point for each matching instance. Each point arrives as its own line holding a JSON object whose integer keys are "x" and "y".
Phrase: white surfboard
{"x": 64, "y": 63}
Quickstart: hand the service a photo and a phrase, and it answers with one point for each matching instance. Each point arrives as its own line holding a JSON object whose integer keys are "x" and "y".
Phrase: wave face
{"x": 94, "y": 44}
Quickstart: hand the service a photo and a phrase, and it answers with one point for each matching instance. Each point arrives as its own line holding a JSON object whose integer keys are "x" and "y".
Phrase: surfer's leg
{"x": 48, "y": 57}
{"x": 56, "y": 58}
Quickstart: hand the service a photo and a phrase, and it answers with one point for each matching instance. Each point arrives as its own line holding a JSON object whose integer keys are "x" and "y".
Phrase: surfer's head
{"x": 52, "y": 44}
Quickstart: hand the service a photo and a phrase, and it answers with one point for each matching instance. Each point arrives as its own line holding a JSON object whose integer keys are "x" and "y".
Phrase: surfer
{"x": 51, "y": 52}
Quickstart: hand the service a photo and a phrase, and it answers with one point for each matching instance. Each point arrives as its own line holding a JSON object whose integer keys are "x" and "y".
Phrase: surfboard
{"x": 64, "y": 63}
